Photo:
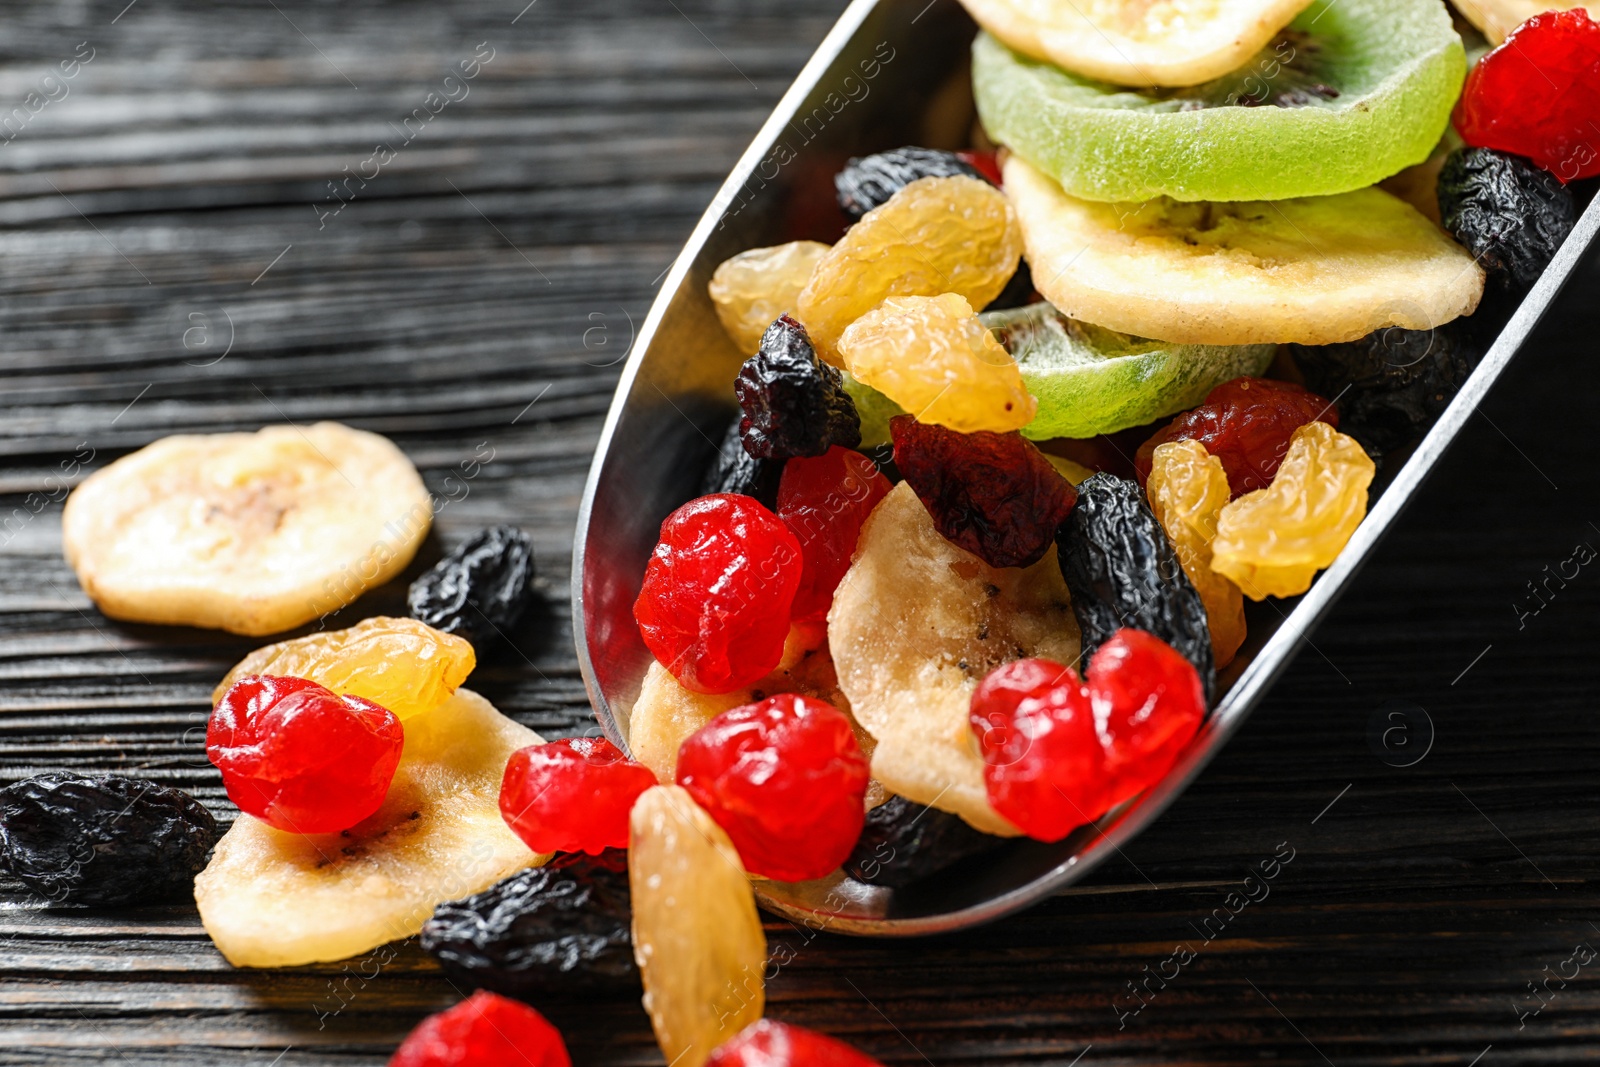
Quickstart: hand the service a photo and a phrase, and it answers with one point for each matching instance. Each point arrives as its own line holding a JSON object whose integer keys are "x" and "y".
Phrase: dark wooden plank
{"x": 479, "y": 292}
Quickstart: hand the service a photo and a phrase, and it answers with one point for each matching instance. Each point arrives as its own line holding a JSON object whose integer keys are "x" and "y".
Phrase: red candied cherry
{"x": 993, "y": 494}
{"x": 1538, "y": 95}
{"x": 485, "y": 1030}
{"x": 714, "y": 607}
{"x": 1058, "y": 753}
{"x": 572, "y": 795}
{"x": 300, "y": 757}
{"x": 1246, "y": 423}
{"x": 786, "y": 779}
{"x": 769, "y": 1043}
{"x": 824, "y": 500}
{"x": 985, "y": 163}
{"x": 1148, "y": 703}
{"x": 1043, "y": 768}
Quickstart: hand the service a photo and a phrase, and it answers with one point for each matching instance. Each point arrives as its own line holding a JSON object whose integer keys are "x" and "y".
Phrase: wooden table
{"x": 182, "y": 252}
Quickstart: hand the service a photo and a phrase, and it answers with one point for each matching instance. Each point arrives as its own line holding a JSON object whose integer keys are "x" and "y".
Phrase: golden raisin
{"x": 1273, "y": 541}
{"x": 933, "y": 357}
{"x": 937, "y": 235}
{"x": 755, "y": 287}
{"x": 1188, "y": 487}
{"x": 696, "y": 937}
{"x": 400, "y": 664}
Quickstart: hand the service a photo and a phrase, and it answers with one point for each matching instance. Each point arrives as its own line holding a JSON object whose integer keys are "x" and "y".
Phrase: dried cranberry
{"x": 572, "y": 795}
{"x": 714, "y": 607}
{"x": 1043, "y": 765}
{"x": 1537, "y": 95}
{"x": 993, "y": 494}
{"x": 1147, "y": 703}
{"x": 786, "y": 779}
{"x": 794, "y": 404}
{"x": 824, "y": 500}
{"x": 769, "y": 1043}
{"x": 300, "y": 757}
{"x": 485, "y": 1030}
{"x": 1059, "y": 754}
{"x": 1246, "y": 423}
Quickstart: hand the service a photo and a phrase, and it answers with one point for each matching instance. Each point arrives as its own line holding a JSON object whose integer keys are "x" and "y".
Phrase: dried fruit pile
{"x": 863, "y": 669}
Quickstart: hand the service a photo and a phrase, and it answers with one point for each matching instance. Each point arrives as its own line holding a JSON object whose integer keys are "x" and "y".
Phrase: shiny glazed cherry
{"x": 300, "y": 757}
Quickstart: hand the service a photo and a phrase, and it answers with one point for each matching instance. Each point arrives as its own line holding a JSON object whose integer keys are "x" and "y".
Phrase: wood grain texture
{"x": 478, "y": 294}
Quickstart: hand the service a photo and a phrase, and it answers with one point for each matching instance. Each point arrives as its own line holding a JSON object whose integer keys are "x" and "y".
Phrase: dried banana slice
{"x": 251, "y": 533}
{"x": 273, "y": 899}
{"x": 1149, "y": 43}
{"x": 1317, "y": 270}
{"x": 915, "y": 625}
{"x": 666, "y": 713}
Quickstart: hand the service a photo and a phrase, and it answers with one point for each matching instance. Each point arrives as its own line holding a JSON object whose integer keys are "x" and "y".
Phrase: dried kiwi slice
{"x": 1352, "y": 92}
{"x": 1090, "y": 380}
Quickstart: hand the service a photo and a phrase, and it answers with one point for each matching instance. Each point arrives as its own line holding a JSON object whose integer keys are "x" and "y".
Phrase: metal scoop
{"x": 875, "y": 83}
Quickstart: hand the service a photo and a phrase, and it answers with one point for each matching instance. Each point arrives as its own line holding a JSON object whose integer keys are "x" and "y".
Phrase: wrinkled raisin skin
{"x": 1246, "y": 423}
{"x": 737, "y": 471}
{"x": 543, "y": 930}
{"x": 1123, "y": 572}
{"x": 867, "y": 182}
{"x": 904, "y": 842}
{"x": 1391, "y": 384}
{"x": 103, "y": 841}
{"x": 480, "y": 590}
{"x": 1509, "y": 214}
{"x": 793, "y": 403}
{"x": 993, "y": 494}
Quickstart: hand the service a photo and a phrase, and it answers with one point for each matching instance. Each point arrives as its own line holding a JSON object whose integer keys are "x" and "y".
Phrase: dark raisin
{"x": 548, "y": 929}
{"x": 737, "y": 471}
{"x": 1122, "y": 571}
{"x": 868, "y": 181}
{"x": 993, "y": 494}
{"x": 904, "y": 842}
{"x": 103, "y": 841}
{"x": 1391, "y": 384}
{"x": 1019, "y": 291}
{"x": 480, "y": 590}
{"x": 794, "y": 404}
{"x": 1511, "y": 215}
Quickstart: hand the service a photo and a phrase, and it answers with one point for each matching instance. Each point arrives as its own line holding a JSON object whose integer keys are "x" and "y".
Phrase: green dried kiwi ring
{"x": 1088, "y": 380}
{"x": 1350, "y": 93}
